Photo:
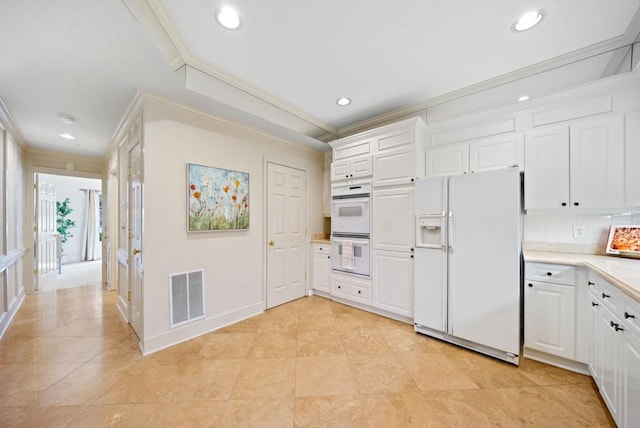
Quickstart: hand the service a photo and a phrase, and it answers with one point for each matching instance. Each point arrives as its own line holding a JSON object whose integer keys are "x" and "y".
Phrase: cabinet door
{"x": 594, "y": 345}
{"x": 496, "y": 153}
{"x": 393, "y": 220}
{"x": 448, "y": 161}
{"x": 322, "y": 272}
{"x": 394, "y": 168}
{"x": 632, "y": 154}
{"x": 630, "y": 380}
{"x": 360, "y": 166}
{"x": 610, "y": 345}
{"x": 550, "y": 313}
{"x": 326, "y": 194}
{"x": 340, "y": 170}
{"x": 597, "y": 163}
{"x": 393, "y": 282}
{"x": 546, "y": 177}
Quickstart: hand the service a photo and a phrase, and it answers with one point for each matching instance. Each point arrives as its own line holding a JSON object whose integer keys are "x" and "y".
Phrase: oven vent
{"x": 187, "y": 297}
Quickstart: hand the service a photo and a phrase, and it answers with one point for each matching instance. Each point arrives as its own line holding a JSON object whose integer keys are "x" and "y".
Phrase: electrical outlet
{"x": 579, "y": 231}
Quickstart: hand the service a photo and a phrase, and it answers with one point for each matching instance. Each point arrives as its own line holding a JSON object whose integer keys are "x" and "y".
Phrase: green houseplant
{"x": 63, "y": 222}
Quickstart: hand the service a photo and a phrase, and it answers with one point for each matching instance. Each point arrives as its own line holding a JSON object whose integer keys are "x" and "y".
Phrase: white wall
{"x": 69, "y": 187}
{"x": 232, "y": 261}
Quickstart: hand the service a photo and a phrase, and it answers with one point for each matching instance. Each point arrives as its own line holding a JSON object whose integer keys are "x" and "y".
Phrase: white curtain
{"x": 91, "y": 249}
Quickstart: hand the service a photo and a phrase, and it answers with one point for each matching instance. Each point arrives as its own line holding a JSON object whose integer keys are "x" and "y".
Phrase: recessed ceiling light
{"x": 528, "y": 20}
{"x": 343, "y": 101}
{"x": 67, "y": 119}
{"x": 228, "y": 18}
{"x": 68, "y": 136}
{"x": 524, "y": 98}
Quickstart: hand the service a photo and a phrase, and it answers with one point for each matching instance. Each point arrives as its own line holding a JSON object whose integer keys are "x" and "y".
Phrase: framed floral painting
{"x": 218, "y": 199}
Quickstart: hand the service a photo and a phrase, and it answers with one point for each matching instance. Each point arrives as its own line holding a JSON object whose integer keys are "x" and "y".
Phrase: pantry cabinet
{"x": 575, "y": 166}
{"x": 321, "y": 269}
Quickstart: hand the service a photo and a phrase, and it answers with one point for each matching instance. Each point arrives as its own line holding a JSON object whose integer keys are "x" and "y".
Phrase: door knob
{"x": 136, "y": 251}
{"x": 272, "y": 243}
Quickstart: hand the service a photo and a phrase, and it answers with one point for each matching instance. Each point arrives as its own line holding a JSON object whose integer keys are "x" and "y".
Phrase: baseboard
{"x": 371, "y": 309}
{"x": 553, "y": 360}
{"x": 7, "y": 317}
{"x": 123, "y": 308}
{"x": 198, "y": 328}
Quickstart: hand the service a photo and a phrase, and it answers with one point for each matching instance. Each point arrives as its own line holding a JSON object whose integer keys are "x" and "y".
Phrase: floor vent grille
{"x": 187, "y": 297}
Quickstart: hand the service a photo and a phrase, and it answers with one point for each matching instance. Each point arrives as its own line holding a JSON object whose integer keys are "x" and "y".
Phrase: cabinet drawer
{"x": 354, "y": 149}
{"x": 322, "y": 248}
{"x": 610, "y": 297}
{"x": 356, "y": 291}
{"x": 557, "y": 274}
{"x": 631, "y": 315}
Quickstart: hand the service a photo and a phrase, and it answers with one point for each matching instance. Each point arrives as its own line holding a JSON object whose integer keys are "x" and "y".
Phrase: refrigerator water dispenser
{"x": 429, "y": 231}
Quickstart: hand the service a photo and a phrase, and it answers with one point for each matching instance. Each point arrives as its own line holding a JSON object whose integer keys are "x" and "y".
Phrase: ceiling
{"x": 283, "y": 70}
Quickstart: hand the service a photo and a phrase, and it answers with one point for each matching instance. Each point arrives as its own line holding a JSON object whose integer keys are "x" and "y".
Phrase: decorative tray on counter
{"x": 624, "y": 241}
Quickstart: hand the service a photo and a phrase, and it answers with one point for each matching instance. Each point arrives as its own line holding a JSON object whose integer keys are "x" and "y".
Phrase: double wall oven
{"x": 350, "y": 228}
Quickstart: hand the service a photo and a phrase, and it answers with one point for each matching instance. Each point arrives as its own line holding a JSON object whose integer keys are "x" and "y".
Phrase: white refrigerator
{"x": 468, "y": 263}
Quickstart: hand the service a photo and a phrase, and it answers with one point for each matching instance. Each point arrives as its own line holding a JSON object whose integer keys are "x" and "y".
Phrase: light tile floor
{"x": 69, "y": 360}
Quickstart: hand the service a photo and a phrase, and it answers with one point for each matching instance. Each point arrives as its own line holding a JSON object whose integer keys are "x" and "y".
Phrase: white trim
{"x": 473, "y": 132}
{"x": 8, "y": 122}
{"x": 564, "y": 363}
{"x": 192, "y": 330}
{"x": 123, "y": 308}
{"x": 7, "y": 317}
{"x": 9, "y": 259}
{"x": 573, "y": 109}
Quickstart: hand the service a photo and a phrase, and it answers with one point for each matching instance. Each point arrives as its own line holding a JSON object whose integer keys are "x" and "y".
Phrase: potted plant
{"x": 64, "y": 223}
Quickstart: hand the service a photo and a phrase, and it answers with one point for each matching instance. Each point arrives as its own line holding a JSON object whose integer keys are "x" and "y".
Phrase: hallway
{"x": 69, "y": 360}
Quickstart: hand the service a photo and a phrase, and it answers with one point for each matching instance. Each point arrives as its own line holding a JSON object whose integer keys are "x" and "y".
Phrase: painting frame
{"x": 217, "y": 199}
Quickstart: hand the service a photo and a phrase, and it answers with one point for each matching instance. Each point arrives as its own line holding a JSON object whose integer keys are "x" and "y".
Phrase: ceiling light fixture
{"x": 68, "y": 136}
{"x": 228, "y": 18}
{"x": 66, "y": 119}
{"x": 528, "y": 20}
{"x": 524, "y": 98}
{"x": 343, "y": 101}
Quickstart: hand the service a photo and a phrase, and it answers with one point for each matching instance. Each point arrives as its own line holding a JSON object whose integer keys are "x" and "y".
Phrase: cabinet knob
{"x": 359, "y": 291}
{"x": 604, "y": 296}
{"x": 593, "y": 304}
{"x": 411, "y": 255}
{"x": 339, "y": 286}
{"x": 412, "y": 180}
{"x": 328, "y": 257}
{"x": 549, "y": 274}
{"x": 591, "y": 283}
{"x": 530, "y": 284}
{"x": 564, "y": 204}
{"x": 346, "y": 176}
{"x": 628, "y": 315}
{"x": 412, "y": 249}
{"x": 576, "y": 203}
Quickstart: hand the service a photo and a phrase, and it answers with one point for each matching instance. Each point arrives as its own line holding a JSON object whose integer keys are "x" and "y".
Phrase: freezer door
{"x": 484, "y": 258}
{"x": 430, "y": 291}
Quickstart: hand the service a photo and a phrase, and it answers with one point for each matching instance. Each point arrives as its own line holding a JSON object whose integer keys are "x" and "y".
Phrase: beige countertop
{"x": 621, "y": 272}
{"x": 321, "y": 241}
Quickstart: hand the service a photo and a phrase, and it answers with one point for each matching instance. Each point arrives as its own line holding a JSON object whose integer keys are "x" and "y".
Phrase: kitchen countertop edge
{"x": 621, "y": 272}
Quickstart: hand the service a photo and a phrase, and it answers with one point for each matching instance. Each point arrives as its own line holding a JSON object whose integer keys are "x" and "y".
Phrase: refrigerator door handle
{"x": 450, "y": 230}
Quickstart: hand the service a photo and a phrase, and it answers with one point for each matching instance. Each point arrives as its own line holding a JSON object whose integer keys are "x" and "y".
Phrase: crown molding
{"x": 10, "y": 125}
{"x": 134, "y": 107}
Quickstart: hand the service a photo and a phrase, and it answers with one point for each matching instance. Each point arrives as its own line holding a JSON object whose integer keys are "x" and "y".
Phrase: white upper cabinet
{"x": 397, "y": 167}
{"x": 546, "y": 178}
{"x": 359, "y": 166}
{"x": 576, "y": 166}
{"x": 448, "y": 161}
{"x": 597, "y": 163}
{"x": 496, "y": 153}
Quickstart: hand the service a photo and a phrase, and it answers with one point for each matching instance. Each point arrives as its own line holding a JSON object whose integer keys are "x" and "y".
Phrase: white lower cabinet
{"x": 614, "y": 357}
{"x": 321, "y": 275}
{"x": 393, "y": 281}
{"x": 550, "y": 316}
{"x": 630, "y": 380}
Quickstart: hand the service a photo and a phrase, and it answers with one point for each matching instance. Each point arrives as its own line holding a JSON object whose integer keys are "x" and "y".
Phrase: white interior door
{"x": 286, "y": 229}
{"x": 136, "y": 267}
{"x": 46, "y": 253}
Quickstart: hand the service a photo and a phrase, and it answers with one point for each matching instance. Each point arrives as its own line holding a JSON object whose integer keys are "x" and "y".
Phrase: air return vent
{"x": 187, "y": 297}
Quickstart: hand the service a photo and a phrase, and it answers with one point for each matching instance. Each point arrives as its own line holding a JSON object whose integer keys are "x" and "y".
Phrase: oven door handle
{"x": 354, "y": 240}
{"x": 343, "y": 200}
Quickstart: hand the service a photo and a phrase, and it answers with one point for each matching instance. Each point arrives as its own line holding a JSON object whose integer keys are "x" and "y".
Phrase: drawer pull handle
{"x": 616, "y": 326}
{"x": 604, "y": 296}
{"x": 628, "y": 315}
{"x": 594, "y": 304}
{"x": 591, "y": 283}
{"x": 549, "y": 274}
